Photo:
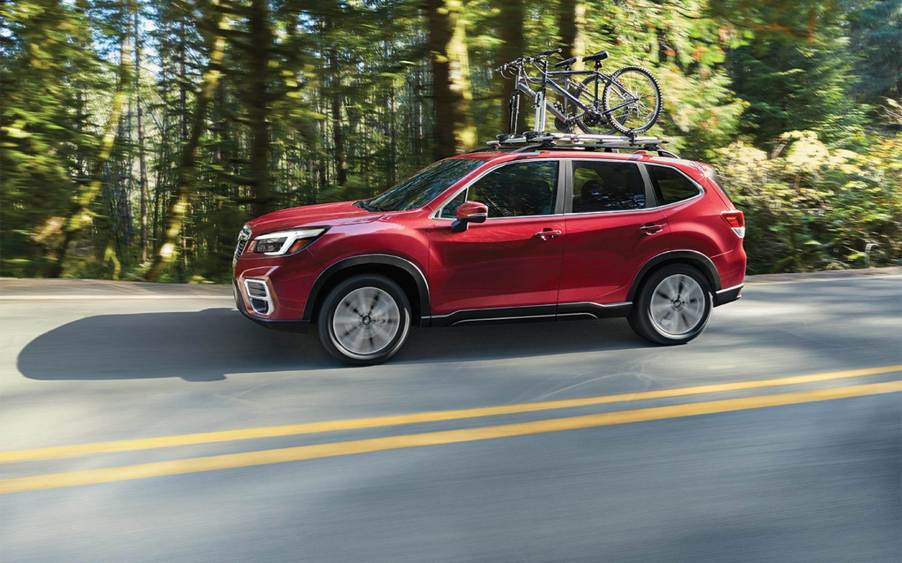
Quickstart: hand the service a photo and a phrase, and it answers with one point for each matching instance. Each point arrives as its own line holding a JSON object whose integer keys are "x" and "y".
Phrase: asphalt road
{"x": 570, "y": 441}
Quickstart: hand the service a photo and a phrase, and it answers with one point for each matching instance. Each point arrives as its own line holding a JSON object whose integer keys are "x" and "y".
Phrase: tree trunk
{"x": 183, "y": 84}
{"x": 260, "y": 45}
{"x": 177, "y": 207}
{"x": 122, "y": 188}
{"x": 392, "y": 138}
{"x": 454, "y": 126}
{"x": 418, "y": 128}
{"x": 81, "y": 214}
{"x": 142, "y": 161}
{"x": 572, "y": 28}
{"x": 335, "y": 93}
{"x": 510, "y": 27}
{"x": 161, "y": 159}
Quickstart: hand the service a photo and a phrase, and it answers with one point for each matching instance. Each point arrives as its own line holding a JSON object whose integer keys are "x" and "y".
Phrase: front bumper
{"x": 275, "y": 288}
{"x": 244, "y": 307}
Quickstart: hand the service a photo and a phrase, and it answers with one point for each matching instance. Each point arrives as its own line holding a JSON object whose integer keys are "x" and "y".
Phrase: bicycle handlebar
{"x": 522, "y": 61}
{"x": 507, "y": 65}
{"x": 512, "y": 65}
{"x": 548, "y": 53}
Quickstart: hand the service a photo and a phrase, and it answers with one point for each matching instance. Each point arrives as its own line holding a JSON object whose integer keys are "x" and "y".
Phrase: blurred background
{"x": 136, "y": 137}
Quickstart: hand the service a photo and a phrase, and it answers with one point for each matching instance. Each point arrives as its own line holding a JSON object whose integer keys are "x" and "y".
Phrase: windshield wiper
{"x": 364, "y": 204}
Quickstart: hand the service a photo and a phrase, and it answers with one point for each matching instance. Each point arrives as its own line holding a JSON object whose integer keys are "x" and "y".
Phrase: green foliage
{"x": 794, "y": 67}
{"x": 810, "y": 207}
{"x": 44, "y": 138}
{"x": 320, "y": 100}
{"x": 796, "y": 86}
{"x": 875, "y": 30}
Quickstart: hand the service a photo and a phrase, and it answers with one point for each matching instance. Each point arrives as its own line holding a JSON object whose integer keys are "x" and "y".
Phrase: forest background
{"x": 137, "y": 136}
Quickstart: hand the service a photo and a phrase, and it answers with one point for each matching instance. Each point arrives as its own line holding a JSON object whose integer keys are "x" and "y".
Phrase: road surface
{"x": 146, "y": 423}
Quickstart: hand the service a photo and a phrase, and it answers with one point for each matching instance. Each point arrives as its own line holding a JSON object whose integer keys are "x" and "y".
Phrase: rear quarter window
{"x": 671, "y": 185}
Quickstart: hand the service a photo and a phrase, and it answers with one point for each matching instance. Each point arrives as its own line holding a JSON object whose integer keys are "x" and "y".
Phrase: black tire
{"x": 641, "y": 317}
{"x": 367, "y": 283}
{"x": 607, "y": 100}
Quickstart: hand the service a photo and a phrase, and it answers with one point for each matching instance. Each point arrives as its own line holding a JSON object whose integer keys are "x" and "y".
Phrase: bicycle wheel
{"x": 632, "y": 100}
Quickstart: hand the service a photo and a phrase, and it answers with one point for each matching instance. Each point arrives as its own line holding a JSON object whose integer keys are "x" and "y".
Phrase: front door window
{"x": 521, "y": 189}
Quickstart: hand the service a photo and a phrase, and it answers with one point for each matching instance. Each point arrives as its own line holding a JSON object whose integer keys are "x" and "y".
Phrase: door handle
{"x": 651, "y": 228}
{"x": 548, "y": 234}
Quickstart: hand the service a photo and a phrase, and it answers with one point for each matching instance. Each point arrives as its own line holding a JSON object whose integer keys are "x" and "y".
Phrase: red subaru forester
{"x": 498, "y": 235}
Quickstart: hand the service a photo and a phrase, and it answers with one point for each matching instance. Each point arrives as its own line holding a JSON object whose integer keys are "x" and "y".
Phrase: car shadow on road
{"x": 206, "y": 345}
{"x": 196, "y": 345}
{"x": 504, "y": 340}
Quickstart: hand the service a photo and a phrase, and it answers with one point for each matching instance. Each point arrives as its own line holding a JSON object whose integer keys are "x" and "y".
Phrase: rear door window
{"x": 671, "y": 185}
{"x": 600, "y": 185}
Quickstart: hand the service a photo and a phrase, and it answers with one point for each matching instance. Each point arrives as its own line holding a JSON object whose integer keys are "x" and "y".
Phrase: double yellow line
{"x": 300, "y": 453}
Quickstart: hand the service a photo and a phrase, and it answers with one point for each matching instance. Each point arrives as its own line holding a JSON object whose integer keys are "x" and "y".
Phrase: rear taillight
{"x": 736, "y": 220}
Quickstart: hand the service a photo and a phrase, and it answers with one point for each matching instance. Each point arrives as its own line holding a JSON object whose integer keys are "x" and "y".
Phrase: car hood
{"x": 323, "y": 214}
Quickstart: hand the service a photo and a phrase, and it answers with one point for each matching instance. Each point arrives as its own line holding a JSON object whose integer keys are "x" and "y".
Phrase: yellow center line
{"x": 56, "y": 452}
{"x": 319, "y": 451}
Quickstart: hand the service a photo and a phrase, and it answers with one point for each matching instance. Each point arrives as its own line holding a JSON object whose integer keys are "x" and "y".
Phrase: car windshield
{"x": 422, "y": 187}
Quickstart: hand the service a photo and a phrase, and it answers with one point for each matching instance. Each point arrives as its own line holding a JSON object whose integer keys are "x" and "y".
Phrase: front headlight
{"x": 286, "y": 242}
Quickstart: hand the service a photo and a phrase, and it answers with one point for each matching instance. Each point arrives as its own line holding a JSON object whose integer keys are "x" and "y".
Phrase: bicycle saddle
{"x": 565, "y": 62}
{"x": 599, "y": 56}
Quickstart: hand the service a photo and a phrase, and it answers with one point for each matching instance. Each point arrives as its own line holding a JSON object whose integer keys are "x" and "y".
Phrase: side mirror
{"x": 469, "y": 212}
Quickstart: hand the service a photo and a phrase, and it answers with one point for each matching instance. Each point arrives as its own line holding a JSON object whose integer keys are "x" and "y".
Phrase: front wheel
{"x": 673, "y": 305}
{"x": 364, "y": 320}
{"x": 632, "y": 100}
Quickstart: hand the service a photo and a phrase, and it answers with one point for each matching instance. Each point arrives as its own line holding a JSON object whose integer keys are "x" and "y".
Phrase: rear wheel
{"x": 364, "y": 320}
{"x": 673, "y": 305}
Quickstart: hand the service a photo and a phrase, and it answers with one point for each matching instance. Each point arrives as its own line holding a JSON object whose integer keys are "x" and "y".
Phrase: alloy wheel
{"x": 677, "y": 305}
{"x": 366, "y": 321}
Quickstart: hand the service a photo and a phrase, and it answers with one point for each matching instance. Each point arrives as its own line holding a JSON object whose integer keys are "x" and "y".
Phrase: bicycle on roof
{"x": 629, "y": 101}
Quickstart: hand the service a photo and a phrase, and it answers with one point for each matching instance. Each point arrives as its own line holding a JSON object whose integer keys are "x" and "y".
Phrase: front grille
{"x": 243, "y": 237}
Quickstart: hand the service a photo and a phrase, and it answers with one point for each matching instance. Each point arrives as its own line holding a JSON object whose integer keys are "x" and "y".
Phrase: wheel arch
{"x": 401, "y": 270}
{"x": 691, "y": 257}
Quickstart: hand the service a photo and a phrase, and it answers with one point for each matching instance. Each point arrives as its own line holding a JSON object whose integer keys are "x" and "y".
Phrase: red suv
{"x": 499, "y": 235}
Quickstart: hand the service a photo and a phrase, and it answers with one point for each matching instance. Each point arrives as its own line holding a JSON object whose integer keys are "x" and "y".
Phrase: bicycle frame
{"x": 548, "y": 79}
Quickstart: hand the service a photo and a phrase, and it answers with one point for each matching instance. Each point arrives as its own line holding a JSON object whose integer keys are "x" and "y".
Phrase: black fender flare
{"x": 382, "y": 259}
{"x": 692, "y": 257}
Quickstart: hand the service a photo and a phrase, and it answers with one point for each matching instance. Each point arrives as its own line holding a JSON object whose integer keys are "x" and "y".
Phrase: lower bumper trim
{"x": 728, "y": 295}
{"x": 287, "y": 326}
